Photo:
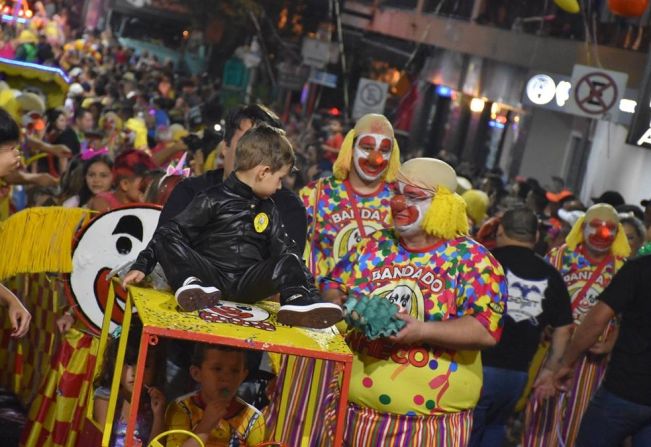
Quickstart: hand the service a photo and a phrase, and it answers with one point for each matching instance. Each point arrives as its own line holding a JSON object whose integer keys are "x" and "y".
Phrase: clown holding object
{"x": 424, "y": 381}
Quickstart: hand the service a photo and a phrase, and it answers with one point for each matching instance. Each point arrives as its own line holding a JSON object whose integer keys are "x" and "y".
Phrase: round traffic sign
{"x": 371, "y": 95}
{"x": 595, "y": 93}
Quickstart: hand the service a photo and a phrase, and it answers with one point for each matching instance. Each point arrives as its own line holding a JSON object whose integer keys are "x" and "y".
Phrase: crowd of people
{"x": 509, "y": 290}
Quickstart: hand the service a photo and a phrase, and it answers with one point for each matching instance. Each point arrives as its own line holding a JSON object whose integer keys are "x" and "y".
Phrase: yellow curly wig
{"x": 446, "y": 217}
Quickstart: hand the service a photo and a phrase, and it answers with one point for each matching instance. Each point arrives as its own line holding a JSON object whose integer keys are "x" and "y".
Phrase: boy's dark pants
{"x": 284, "y": 273}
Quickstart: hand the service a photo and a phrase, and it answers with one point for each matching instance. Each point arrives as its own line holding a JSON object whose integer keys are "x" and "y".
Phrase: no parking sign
{"x": 371, "y": 97}
{"x": 596, "y": 92}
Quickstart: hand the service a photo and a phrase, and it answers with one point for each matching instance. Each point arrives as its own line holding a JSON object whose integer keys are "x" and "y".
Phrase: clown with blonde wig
{"x": 593, "y": 252}
{"x": 424, "y": 381}
{"x": 353, "y": 203}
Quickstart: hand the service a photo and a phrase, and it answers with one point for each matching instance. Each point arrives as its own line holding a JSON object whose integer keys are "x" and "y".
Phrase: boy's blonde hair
{"x": 264, "y": 145}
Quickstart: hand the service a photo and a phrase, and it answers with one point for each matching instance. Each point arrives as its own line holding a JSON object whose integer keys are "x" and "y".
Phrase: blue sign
{"x": 323, "y": 78}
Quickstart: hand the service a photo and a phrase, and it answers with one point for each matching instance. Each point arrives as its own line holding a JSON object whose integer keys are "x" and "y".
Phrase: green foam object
{"x": 375, "y": 316}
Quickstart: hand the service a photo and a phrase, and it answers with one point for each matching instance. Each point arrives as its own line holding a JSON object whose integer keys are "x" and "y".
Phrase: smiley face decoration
{"x": 106, "y": 242}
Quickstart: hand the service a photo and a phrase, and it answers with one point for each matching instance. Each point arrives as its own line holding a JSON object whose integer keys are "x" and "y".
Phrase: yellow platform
{"x": 234, "y": 324}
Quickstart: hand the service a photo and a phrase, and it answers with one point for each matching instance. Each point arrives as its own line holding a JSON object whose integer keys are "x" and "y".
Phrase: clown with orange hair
{"x": 419, "y": 387}
{"x": 593, "y": 252}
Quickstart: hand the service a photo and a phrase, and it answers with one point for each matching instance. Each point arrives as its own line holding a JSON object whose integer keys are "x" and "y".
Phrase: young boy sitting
{"x": 214, "y": 412}
{"x": 230, "y": 242}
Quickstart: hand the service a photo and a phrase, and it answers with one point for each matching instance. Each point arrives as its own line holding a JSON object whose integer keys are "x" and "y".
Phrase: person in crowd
{"x": 196, "y": 249}
{"x": 73, "y": 136}
{"x": 97, "y": 172}
{"x": 129, "y": 172}
{"x": 151, "y": 413}
{"x": 477, "y": 208}
{"x": 333, "y": 143}
{"x": 34, "y": 142}
{"x": 493, "y": 185}
{"x": 451, "y": 292}
{"x": 214, "y": 412}
{"x": 621, "y": 407}
{"x": 646, "y": 205}
{"x": 26, "y": 49}
{"x": 635, "y": 232}
{"x": 612, "y": 198}
{"x": 594, "y": 250}
{"x": 537, "y": 298}
{"x": 9, "y": 162}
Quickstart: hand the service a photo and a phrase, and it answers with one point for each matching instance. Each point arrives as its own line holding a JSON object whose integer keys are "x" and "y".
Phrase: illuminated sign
{"x": 541, "y": 89}
{"x": 639, "y": 132}
{"x": 552, "y": 92}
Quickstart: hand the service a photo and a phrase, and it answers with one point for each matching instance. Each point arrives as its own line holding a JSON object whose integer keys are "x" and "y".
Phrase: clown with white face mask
{"x": 593, "y": 251}
{"x": 353, "y": 203}
{"x": 424, "y": 381}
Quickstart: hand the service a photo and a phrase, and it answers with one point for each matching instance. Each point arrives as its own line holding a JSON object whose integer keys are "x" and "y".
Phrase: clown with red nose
{"x": 424, "y": 381}
{"x": 353, "y": 203}
{"x": 342, "y": 210}
{"x": 594, "y": 250}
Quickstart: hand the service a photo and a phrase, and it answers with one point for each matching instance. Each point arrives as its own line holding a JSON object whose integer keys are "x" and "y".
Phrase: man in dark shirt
{"x": 621, "y": 407}
{"x": 239, "y": 121}
{"x": 74, "y": 135}
{"x": 537, "y": 298}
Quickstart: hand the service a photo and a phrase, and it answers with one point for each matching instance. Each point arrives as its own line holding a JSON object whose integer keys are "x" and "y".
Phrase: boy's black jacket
{"x": 219, "y": 225}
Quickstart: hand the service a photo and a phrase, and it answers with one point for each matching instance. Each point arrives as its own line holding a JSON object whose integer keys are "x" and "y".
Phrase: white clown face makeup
{"x": 408, "y": 208}
{"x": 371, "y": 155}
{"x": 599, "y": 234}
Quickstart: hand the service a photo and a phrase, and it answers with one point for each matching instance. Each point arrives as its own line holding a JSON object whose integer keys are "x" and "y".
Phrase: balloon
{"x": 628, "y": 8}
{"x": 571, "y": 6}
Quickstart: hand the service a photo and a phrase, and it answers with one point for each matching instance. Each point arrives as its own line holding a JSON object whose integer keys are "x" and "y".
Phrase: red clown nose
{"x": 604, "y": 232}
{"x": 375, "y": 158}
{"x": 398, "y": 203}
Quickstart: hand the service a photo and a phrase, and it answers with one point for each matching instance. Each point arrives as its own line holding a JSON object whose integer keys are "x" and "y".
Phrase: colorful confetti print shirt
{"x": 338, "y": 212}
{"x": 576, "y": 269}
{"x": 245, "y": 428}
{"x": 449, "y": 280}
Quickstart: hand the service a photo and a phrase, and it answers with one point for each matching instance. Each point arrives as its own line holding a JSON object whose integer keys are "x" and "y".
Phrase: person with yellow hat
{"x": 111, "y": 125}
{"x": 169, "y": 144}
{"x": 26, "y": 50}
{"x": 593, "y": 252}
{"x": 477, "y": 203}
{"x": 423, "y": 382}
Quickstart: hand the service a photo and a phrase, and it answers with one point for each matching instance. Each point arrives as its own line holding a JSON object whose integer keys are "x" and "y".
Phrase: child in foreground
{"x": 151, "y": 413}
{"x": 214, "y": 412}
{"x": 230, "y": 242}
{"x": 10, "y": 163}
